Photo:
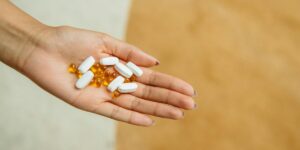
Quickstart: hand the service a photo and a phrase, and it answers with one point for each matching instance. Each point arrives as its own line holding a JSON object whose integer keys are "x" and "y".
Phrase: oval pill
{"x": 123, "y": 70}
{"x": 84, "y": 80}
{"x": 109, "y": 61}
{"x": 127, "y": 87}
{"x": 113, "y": 85}
{"x": 135, "y": 69}
{"x": 86, "y": 64}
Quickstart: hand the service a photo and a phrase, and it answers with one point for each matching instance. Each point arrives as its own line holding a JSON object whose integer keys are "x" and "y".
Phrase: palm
{"x": 156, "y": 95}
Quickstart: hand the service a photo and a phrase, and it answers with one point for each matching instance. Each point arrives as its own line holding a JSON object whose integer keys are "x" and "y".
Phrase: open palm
{"x": 158, "y": 94}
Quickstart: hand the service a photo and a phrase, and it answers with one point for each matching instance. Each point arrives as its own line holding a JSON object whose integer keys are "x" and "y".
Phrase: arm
{"x": 18, "y": 34}
{"x": 43, "y": 54}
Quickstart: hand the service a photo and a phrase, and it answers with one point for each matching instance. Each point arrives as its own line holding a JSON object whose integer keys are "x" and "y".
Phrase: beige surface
{"x": 242, "y": 56}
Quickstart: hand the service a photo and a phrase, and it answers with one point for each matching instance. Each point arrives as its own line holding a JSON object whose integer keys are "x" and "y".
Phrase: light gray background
{"x": 32, "y": 119}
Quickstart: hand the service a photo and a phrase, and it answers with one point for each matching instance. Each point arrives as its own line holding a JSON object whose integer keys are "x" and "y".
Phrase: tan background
{"x": 242, "y": 56}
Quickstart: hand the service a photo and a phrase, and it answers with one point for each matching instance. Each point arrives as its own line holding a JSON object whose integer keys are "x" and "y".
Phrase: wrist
{"x": 20, "y": 35}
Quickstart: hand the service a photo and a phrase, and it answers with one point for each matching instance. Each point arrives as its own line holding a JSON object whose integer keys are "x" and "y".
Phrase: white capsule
{"x": 123, "y": 70}
{"x": 109, "y": 61}
{"x": 86, "y": 64}
{"x": 127, "y": 87}
{"x": 135, "y": 69}
{"x": 113, "y": 85}
{"x": 84, "y": 80}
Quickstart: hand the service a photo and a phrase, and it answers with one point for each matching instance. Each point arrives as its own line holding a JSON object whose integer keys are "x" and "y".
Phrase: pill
{"x": 123, "y": 70}
{"x": 135, "y": 69}
{"x": 113, "y": 85}
{"x": 72, "y": 68}
{"x": 127, "y": 87}
{"x": 86, "y": 64}
{"x": 109, "y": 61}
{"x": 84, "y": 80}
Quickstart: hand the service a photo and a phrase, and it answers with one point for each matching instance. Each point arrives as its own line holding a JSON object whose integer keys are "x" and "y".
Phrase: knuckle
{"x": 174, "y": 113}
{"x": 152, "y": 77}
{"x": 135, "y": 103}
{"x": 115, "y": 112}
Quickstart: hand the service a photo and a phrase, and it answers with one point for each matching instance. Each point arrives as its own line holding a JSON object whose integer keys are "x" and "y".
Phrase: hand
{"x": 158, "y": 94}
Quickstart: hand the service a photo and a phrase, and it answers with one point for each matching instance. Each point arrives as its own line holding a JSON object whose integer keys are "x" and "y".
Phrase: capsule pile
{"x": 109, "y": 72}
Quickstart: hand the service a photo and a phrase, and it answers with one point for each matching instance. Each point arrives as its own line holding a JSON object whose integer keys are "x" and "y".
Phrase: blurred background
{"x": 242, "y": 57}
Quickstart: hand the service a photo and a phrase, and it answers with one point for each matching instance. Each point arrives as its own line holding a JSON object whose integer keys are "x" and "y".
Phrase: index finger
{"x": 128, "y": 52}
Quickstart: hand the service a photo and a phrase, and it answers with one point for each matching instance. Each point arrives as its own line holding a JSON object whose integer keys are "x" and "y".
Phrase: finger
{"x": 118, "y": 113}
{"x": 97, "y": 101}
{"x": 163, "y": 95}
{"x": 151, "y": 77}
{"x": 129, "y": 52}
{"x": 148, "y": 107}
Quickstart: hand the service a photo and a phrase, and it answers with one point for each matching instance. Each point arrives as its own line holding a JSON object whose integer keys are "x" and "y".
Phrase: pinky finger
{"x": 118, "y": 113}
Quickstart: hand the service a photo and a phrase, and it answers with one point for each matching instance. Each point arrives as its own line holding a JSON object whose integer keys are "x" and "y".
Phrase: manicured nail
{"x": 195, "y": 93}
{"x": 157, "y": 63}
{"x": 153, "y": 123}
{"x": 195, "y": 106}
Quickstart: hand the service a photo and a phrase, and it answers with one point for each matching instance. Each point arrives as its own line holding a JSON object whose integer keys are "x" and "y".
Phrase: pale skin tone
{"x": 43, "y": 54}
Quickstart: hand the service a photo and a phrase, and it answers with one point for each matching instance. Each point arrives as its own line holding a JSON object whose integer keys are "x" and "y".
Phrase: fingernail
{"x": 195, "y": 106}
{"x": 153, "y": 123}
{"x": 195, "y": 93}
{"x": 157, "y": 63}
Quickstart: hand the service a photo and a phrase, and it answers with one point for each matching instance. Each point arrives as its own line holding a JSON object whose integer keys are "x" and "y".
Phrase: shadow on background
{"x": 242, "y": 57}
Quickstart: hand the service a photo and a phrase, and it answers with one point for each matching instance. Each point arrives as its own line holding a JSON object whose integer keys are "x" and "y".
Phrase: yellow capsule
{"x": 104, "y": 83}
{"x": 114, "y": 74}
{"x": 99, "y": 70}
{"x": 108, "y": 73}
{"x": 132, "y": 78}
{"x": 78, "y": 74}
{"x": 93, "y": 83}
{"x": 116, "y": 94}
{"x": 94, "y": 69}
{"x": 98, "y": 82}
{"x": 127, "y": 80}
{"x": 72, "y": 68}
{"x": 97, "y": 65}
{"x": 98, "y": 75}
{"x": 103, "y": 67}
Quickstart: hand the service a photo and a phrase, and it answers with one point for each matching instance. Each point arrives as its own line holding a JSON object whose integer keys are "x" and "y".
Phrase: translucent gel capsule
{"x": 72, "y": 68}
{"x": 104, "y": 83}
{"x": 103, "y": 67}
{"x": 132, "y": 78}
{"x": 127, "y": 80}
{"x": 116, "y": 94}
{"x": 93, "y": 69}
{"x": 78, "y": 74}
{"x": 97, "y": 65}
{"x": 114, "y": 74}
{"x": 98, "y": 82}
{"x": 99, "y": 70}
{"x": 93, "y": 83}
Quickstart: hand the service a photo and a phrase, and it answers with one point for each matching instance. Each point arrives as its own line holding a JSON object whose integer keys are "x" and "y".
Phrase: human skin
{"x": 43, "y": 54}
